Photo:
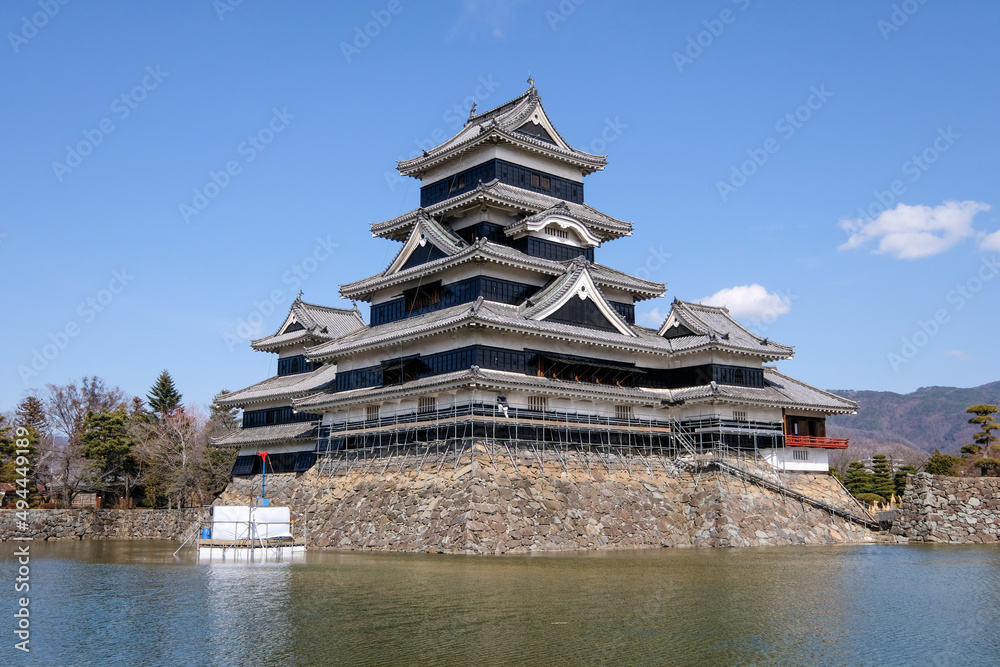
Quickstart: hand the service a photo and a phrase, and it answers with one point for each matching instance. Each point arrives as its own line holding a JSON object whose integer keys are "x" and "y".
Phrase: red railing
{"x": 810, "y": 441}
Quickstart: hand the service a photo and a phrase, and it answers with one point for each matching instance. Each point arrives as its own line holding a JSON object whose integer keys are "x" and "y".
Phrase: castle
{"x": 496, "y": 323}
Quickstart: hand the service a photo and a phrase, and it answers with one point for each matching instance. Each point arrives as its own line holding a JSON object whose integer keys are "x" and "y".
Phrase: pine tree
{"x": 986, "y": 423}
{"x": 107, "y": 442}
{"x": 30, "y": 416}
{"x": 989, "y": 464}
{"x": 857, "y": 479}
{"x": 882, "y": 481}
{"x": 941, "y": 464}
{"x": 163, "y": 396}
{"x": 30, "y": 413}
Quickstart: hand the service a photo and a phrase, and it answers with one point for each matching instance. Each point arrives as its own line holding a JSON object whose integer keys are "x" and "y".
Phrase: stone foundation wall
{"x": 85, "y": 524}
{"x": 488, "y": 505}
{"x": 956, "y": 510}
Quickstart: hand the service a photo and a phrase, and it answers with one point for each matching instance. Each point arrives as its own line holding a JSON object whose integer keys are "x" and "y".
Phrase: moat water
{"x": 133, "y": 603}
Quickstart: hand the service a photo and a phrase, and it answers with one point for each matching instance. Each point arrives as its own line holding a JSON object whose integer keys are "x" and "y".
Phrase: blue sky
{"x": 173, "y": 172}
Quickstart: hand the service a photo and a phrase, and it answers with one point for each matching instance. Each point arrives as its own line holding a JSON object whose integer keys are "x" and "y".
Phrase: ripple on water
{"x": 131, "y": 602}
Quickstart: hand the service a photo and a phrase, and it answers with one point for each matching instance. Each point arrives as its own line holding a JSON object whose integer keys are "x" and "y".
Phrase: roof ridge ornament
{"x": 472, "y": 110}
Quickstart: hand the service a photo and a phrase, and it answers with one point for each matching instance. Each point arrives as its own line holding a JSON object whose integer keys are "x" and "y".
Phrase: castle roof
{"x": 691, "y": 326}
{"x": 281, "y": 387}
{"x": 263, "y": 435}
{"x": 308, "y": 323}
{"x": 499, "y": 316}
{"x": 484, "y": 250}
{"x": 779, "y": 390}
{"x": 487, "y": 379}
{"x": 521, "y": 122}
{"x": 509, "y": 197}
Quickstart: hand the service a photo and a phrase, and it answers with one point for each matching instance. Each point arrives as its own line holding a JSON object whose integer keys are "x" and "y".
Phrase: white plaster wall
{"x": 782, "y": 458}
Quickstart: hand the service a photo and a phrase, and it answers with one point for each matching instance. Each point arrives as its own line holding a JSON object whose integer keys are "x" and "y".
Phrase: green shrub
{"x": 870, "y": 498}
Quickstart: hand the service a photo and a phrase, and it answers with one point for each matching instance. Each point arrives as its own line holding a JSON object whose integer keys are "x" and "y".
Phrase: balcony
{"x": 811, "y": 441}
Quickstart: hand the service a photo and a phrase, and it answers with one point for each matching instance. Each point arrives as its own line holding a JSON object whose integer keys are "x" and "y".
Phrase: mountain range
{"x": 924, "y": 420}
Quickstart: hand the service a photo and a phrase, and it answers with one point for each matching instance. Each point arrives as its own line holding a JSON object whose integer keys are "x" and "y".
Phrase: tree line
{"x": 88, "y": 437}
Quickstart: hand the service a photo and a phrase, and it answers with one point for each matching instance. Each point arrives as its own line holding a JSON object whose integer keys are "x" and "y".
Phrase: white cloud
{"x": 653, "y": 318}
{"x": 957, "y": 354}
{"x": 912, "y": 232}
{"x": 750, "y": 301}
{"x": 990, "y": 241}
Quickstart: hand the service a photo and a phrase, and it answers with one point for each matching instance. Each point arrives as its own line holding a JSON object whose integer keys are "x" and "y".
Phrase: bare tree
{"x": 66, "y": 406}
{"x": 173, "y": 447}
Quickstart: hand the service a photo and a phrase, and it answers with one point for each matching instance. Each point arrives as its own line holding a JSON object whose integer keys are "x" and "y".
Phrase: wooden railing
{"x": 812, "y": 441}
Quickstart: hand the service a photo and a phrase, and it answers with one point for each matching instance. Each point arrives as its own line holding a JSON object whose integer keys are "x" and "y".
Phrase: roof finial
{"x": 472, "y": 110}
{"x": 299, "y": 297}
{"x": 531, "y": 82}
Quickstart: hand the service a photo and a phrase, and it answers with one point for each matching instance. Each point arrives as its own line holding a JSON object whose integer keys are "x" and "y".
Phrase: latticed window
{"x": 371, "y": 412}
{"x": 556, "y": 232}
{"x": 538, "y": 403}
{"x": 623, "y": 412}
{"x": 800, "y": 454}
{"x": 740, "y": 415}
{"x": 426, "y": 404}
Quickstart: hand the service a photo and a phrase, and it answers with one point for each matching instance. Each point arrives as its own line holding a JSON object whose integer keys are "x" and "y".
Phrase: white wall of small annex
{"x": 783, "y": 458}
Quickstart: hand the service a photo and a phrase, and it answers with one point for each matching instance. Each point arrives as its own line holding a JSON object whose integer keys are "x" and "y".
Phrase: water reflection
{"x": 248, "y": 607}
{"x": 130, "y": 602}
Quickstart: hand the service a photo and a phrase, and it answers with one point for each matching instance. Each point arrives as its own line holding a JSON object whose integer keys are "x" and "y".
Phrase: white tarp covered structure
{"x": 241, "y": 522}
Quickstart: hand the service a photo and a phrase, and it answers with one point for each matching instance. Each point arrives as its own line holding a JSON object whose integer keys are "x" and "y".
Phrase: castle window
{"x": 546, "y": 183}
{"x": 556, "y": 232}
{"x": 371, "y": 413}
{"x": 426, "y": 404}
{"x": 534, "y": 180}
{"x": 538, "y": 403}
{"x": 800, "y": 454}
{"x": 739, "y": 415}
{"x": 623, "y": 412}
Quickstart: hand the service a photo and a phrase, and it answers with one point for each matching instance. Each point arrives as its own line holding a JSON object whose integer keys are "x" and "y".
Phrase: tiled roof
{"x": 504, "y": 255}
{"x": 318, "y": 322}
{"x": 779, "y": 390}
{"x": 576, "y": 280}
{"x": 483, "y": 313}
{"x": 486, "y": 379}
{"x": 261, "y": 435}
{"x": 508, "y": 196}
{"x": 710, "y": 326}
{"x": 501, "y": 124}
{"x": 427, "y": 230}
{"x": 284, "y": 386}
